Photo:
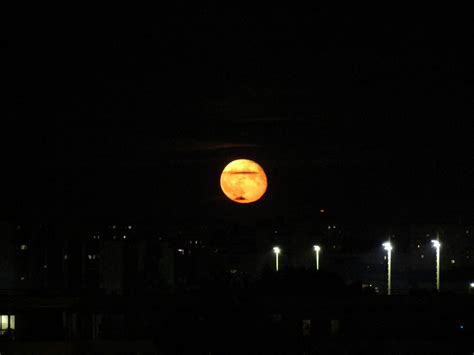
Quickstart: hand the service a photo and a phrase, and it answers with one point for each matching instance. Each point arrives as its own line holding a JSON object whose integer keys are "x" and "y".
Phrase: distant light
{"x": 23, "y": 247}
{"x": 329, "y": 227}
{"x": 65, "y": 256}
{"x": 453, "y": 261}
{"x": 436, "y": 244}
{"x": 333, "y": 227}
{"x": 317, "y": 247}
{"x": 233, "y": 271}
{"x": 471, "y": 285}
{"x": 89, "y": 257}
{"x": 276, "y": 250}
{"x": 22, "y": 278}
{"x": 418, "y": 246}
{"x": 45, "y": 266}
{"x": 129, "y": 227}
{"x": 124, "y": 237}
{"x": 387, "y": 246}
{"x": 114, "y": 226}
{"x": 275, "y": 231}
{"x": 422, "y": 256}
{"x": 181, "y": 251}
{"x": 322, "y": 210}
{"x": 461, "y": 327}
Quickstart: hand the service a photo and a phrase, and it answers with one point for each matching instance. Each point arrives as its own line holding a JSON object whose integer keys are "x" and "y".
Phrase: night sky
{"x": 365, "y": 113}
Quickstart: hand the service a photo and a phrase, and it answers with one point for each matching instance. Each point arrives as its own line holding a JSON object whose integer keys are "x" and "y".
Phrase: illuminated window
{"x": 181, "y": 251}
{"x": 306, "y": 327}
{"x": 7, "y": 321}
{"x": 23, "y": 247}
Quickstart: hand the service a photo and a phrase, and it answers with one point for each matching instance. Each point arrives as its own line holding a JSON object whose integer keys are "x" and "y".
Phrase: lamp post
{"x": 437, "y": 245}
{"x": 277, "y": 251}
{"x": 317, "y": 249}
{"x": 388, "y": 247}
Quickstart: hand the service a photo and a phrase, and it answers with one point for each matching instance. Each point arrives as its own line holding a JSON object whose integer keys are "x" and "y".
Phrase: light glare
{"x": 387, "y": 246}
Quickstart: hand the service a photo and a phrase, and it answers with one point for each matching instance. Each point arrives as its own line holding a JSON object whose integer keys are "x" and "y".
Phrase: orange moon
{"x": 243, "y": 181}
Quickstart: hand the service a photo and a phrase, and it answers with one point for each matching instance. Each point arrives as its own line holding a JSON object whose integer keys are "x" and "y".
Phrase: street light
{"x": 388, "y": 247}
{"x": 277, "y": 251}
{"x": 437, "y": 245}
{"x": 317, "y": 249}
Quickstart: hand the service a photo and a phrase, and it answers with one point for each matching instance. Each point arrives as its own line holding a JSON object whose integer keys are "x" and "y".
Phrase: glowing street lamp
{"x": 437, "y": 245}
{"x": 277, "y": 251}
{"x": 317, "y": 249}
{"x": 388, "y": 247}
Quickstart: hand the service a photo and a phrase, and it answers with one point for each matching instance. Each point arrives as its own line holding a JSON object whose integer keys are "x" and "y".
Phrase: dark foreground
{"x": 268, "y": 318}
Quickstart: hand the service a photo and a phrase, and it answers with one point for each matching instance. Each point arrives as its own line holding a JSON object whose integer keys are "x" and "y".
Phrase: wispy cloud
{"x": 195, "y": 145}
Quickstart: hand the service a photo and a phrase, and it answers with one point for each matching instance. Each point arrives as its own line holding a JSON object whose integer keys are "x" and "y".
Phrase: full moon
{"x": 243, "y": 181}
